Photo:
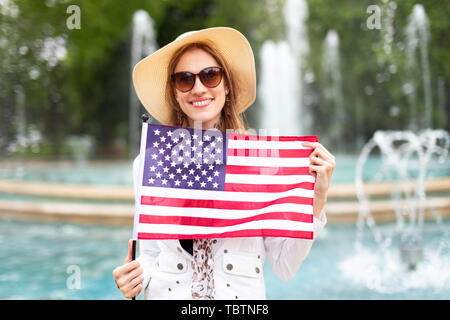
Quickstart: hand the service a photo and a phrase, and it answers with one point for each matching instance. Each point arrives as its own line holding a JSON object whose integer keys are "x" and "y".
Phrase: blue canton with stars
{"x": 185, "y": 158}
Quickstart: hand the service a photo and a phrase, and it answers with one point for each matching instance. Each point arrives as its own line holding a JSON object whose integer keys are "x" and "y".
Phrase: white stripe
{"x": 221, "y": 195}
{"x": 268, "y": 162}
{"x": 260, "y": 179}
{"x": 261, "y": 224}
{"x": 245, "y": 144}
{"x": 222, "y": 213}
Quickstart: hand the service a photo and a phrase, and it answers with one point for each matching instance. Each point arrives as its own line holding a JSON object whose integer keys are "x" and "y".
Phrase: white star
{"x": 215, "y": 185}
{"x": 216, "y": 173}
{"x": 211, "y": 167}
{"x": 177, "y": 182}
{"x": 218, "y": 150}
{"x": 152, "y": 168}
{"x": 157, "y": 132}
{"x": 167, "y": 158}
{"x": 156, "y": 144}
{"x": 186, "y": 164}
{"x": 202, "y": 184}
{"x": 219, "y": 139}
{"x": 168, "y": 145}
{"x": 191, "y": 171}
{"x": 160, "y": 163}
{"x": 158, "y": 175}
{"x": 169, "y": 133}
{"x": 161, "y": 151}
{"x": 190, "y": 183}
{"x": 194, "y": 137}
{"x": 218, "y": 161}
{"x": 164, "y": 181}
{"x": 207, "y": 138}
{"x": 166, "y": 169}
{"x": 171, "y": 176}
{"x": 178, "y": 170}
{"x": 197, "y": 178}
{"x": 163, "y": 139}
{"x": 184, "y": 177}
{"x": 203, "y": 172}
{"x": 175, "y": 139}
{"x": 154, "y": 156}
{"x": 209, "y": 179}
{"x": 151, "y": 180}
{"x": 182, "y": 135}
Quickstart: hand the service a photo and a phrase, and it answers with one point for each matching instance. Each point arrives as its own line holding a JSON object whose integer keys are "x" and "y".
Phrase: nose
{"x": 199, "y": 87}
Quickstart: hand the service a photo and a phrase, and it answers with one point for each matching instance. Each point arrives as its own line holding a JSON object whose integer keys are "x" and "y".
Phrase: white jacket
{"x": 238, "y": 264}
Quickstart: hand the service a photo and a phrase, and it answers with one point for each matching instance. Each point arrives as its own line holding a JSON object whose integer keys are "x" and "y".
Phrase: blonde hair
{"x": 229, "y": 118}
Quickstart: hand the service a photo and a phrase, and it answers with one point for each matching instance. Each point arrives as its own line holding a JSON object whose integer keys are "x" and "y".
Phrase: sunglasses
{"x": 185, "y": 81}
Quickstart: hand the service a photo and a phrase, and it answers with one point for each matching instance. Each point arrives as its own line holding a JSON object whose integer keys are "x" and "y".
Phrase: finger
{"x": 319, "y": 152}
{"x": 318, "y": 161}
{"x": 133, "y": 292}
{"x": 317, "y": 146}
{"x": 123, "y": 270}
{"x": 130, "y": 251}
{"x": 128, "y": 277}
{"x": 132, "y": 284}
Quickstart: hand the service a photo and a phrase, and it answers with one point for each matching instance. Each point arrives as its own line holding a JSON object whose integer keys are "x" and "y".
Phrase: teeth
{"x": 201, "y": 103}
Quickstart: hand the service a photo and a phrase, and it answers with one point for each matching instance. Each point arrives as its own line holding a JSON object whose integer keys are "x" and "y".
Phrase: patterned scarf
{"x": 202, "y": 266}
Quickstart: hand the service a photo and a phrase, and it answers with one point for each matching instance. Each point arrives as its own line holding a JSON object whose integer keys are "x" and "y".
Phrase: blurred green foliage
{"x": 84, "y": 89}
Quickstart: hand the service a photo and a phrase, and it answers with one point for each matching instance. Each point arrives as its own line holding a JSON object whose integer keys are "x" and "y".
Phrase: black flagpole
{"x": 144, "y": 118}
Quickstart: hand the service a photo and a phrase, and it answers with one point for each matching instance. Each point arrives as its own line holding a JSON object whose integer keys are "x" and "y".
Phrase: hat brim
{"x": 150, "y": 74}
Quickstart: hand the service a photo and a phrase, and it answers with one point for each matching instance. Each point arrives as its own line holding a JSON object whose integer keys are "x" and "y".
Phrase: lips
{"x": 201, "y": 103}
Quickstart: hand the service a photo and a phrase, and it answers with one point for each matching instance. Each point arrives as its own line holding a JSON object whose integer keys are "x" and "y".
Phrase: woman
{"x": 209, "y": 76}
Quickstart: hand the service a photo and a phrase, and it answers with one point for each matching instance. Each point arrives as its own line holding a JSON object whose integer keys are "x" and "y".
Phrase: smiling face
{"x": 200, "y": 103}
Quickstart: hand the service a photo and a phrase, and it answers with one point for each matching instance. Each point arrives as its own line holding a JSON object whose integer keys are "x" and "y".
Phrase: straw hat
{"x": 150, "y": 74}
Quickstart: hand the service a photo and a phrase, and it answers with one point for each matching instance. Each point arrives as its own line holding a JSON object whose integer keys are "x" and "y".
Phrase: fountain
{"x": 417, "y": 38}
{"x": 406, "y": 159}
{"x": 332, "y": 88}
{"x": 143, "y": 43}
{"x": 281, "y": 86}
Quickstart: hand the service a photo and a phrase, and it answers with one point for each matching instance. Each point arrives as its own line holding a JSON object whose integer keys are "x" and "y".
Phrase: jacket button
{"x": 180, "y": 266}
{"x": 229, "y": 266}
{"x": 257, "y": 270}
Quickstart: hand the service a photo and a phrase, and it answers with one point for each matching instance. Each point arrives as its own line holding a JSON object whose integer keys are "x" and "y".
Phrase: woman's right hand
{"x": 129, "y": 275}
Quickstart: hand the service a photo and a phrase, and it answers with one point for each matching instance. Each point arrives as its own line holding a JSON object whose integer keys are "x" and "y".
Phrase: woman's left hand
{"x": 321, "y": 167}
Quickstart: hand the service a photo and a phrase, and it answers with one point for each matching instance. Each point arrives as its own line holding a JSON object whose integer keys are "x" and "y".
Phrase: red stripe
{"x": 268, "y": 171}
{"x": 242, "y": 187}
{"x": 231, "y": 234}
{"x": 215, "y": 222}
{"x": 270, "y": 153}
{"x": 235, "y": 136}
{"x": 220, "y": 204}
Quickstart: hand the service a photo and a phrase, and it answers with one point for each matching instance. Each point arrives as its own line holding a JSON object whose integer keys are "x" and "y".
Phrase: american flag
{"x": 207, "y": 184}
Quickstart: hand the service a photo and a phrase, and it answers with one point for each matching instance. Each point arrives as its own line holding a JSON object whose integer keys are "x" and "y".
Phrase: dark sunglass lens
{"x": 211, "y": 77}
{"x": 184, "y": 81}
